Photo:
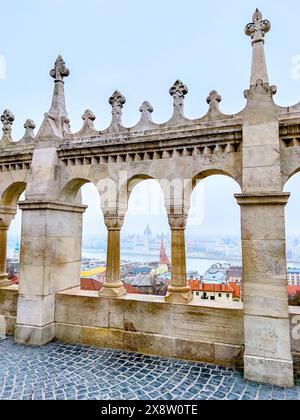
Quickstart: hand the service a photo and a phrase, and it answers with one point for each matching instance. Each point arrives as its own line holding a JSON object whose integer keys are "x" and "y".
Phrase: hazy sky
{"x": 141, "y": 48}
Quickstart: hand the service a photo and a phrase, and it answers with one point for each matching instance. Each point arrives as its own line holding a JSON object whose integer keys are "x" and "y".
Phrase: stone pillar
{"x": 266, "y": 314}
{"x": 178, "y": 291}
{"x": 50, "y": 263}
{"x": 3, "y": 255}
{"x": 113, "y": 287}
{"x": 7, "y": 214}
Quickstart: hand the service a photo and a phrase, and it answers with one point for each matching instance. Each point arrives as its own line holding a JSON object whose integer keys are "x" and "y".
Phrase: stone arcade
{"x": 258, "y": 147}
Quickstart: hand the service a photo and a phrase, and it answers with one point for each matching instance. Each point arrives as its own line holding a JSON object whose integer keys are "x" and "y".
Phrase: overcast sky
{"x": 141, "y": 48}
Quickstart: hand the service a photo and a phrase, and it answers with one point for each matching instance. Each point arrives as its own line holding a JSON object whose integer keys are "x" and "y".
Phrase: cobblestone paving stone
{"x": 67, "y": 372}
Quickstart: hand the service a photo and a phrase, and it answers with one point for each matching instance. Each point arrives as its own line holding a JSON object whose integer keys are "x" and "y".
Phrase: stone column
{"x": 7, "y": 214}
{"x": 178, "y": 291}
{"x": 50, "y": 263}
{"x": 3, "y": 255}
{"x": 113, "y": 287}
{"x": 266, "y": 314}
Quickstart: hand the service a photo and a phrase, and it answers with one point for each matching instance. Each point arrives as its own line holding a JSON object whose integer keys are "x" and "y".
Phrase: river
{"x": 201, "y": 265}
{"x": 193, "y": 264}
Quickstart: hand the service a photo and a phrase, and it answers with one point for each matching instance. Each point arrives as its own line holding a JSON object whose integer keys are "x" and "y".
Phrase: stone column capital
{"x": 254, "y": 199}
{"x": 177, "y": 221}
{"x": 114, "y": 221}
{"x": 7, "y": 214}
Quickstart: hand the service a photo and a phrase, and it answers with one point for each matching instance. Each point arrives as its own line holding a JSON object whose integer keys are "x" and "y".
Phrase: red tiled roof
{"x": 236, "y": 290}
{"x": 197, "y": 285}
{"x": 95, "y": 285}
{"x": 194, "y": 284}
{"x": 293, "y": 290}
{"x": 90, "y": 284}
{"x": 132, "y": 289}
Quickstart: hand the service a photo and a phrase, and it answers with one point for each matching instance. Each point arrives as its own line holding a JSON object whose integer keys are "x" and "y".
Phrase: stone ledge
{"x": 51, "y": 205}
{"x": 76, "y": 291}
{"x": 262, "y": 199}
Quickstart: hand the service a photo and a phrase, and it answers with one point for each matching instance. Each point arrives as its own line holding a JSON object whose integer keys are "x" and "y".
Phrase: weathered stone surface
{"x": 34, "y": 336}
{"x": 273, "y": 371}
{"x": 154, "y": 327}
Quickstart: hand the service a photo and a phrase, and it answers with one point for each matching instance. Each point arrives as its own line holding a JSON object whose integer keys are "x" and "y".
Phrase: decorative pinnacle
{"x": 88, "y": 118}
{"x": 29, "y": 124}
{"x": 213, "y": 100}
{"x": 117, "y": 101}
{"x": 29, "y": 127}
{"x": 7, "y": 119}
{"x": 146, "y": 108}
{"x": 89, "y": 115}
{"x": 60, "y": 70}
{"x": 258, "y": 28}
{"x": 178, "y": 91}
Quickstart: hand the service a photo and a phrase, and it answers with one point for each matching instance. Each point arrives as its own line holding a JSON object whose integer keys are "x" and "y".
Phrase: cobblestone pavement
{"x": 62, "y": 371}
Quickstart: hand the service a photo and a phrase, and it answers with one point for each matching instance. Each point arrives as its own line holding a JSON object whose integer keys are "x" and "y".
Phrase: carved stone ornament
{"x": 258, "y": 28}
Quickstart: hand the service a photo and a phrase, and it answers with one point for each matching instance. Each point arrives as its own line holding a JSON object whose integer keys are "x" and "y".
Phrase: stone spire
{"x": 59, "y": 72}
{"x": 164, "y": 260}
{"x": 257, "y": 30}
{"x": 56, "y": 122}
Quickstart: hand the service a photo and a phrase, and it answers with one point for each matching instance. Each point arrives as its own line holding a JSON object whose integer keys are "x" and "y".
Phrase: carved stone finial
{"x": 29, "y": 127}
{"x": 258, "y": 28}
{"x": 7, "y": 119}
{"x": 60, "y": 70}
{"x": 213, "y": 100}
{"x": 88, "y": 117}
{"x": 56, "y": 121}
{"x": 146, "y": 110}
{"x": 117, "y": 101}
{"x": 178, "y": 91}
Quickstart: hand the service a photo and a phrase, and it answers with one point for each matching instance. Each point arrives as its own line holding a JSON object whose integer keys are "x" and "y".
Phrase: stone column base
{"x": 179, "y": 295}
{"x": 34, "y": 336}
{"x": 113, "y": 290}
{"x": 4, "y": 280}
{"x": 269, "y": 371}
